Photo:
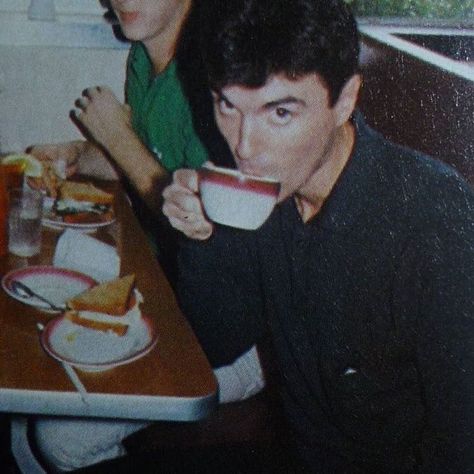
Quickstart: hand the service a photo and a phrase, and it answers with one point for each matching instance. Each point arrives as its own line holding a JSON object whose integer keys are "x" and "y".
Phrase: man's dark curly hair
{"x": 244, "y": 42}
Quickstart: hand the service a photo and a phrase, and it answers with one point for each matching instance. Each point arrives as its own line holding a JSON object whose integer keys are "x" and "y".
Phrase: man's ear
{"x": 347, "y": 99}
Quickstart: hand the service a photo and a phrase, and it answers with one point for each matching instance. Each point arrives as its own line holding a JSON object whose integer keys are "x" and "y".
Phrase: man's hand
{"x": 104, "y": 116}
{"x": 183, "y": 207}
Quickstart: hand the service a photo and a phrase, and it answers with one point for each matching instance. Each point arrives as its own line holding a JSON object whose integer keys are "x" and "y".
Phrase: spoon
{"x": 27, "y": 292}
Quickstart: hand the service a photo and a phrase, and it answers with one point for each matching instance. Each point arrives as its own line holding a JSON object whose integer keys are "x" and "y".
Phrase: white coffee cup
{"x": 235, "y": 199}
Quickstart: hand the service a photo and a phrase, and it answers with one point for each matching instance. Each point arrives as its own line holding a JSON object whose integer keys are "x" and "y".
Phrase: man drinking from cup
{"x": 363, "y": 272}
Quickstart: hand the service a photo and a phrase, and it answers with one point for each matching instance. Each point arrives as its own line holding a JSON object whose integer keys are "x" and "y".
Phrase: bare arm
{"x": 109, "y": 123}
{"x": 93, "y": 162}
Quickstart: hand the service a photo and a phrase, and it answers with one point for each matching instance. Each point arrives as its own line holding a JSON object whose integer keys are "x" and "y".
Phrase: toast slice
{"x": 112, "y": 297}
{"x": 84, "y": 192}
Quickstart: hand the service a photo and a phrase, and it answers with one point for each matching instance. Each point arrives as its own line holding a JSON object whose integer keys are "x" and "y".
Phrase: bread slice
{"x": 105, "y": 326}
{"x": 84, "y": 192}
{"x": 112, "y": 297}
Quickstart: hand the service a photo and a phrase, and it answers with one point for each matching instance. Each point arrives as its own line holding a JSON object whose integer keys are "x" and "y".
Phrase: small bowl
{"x": 236, "y": 199}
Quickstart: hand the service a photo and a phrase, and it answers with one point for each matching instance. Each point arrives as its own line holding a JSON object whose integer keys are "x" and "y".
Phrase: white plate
{"x": 54, "y": 222}
{"x": 95, "y": 351}
{"x": 54, "y": 283}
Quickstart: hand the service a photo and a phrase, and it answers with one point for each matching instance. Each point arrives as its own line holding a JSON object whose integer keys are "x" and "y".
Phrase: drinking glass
{"x": 14, "y": 175}
{"x": 24, "y": 222}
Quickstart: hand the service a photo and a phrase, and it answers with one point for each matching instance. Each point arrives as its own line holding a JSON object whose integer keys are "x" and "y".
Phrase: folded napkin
{"x": 81, "y": 252}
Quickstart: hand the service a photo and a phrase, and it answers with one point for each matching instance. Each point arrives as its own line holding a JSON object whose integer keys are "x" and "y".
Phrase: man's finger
{"x": 91, "y": 91}
{"x": 81, "y": 103}
{"x": 171, "y": 209}
{"x": 196, "y": 232}
{"x": 188, "y": 179}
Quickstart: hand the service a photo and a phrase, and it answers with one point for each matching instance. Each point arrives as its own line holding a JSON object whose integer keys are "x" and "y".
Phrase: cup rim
{"x": 237, "y": 174}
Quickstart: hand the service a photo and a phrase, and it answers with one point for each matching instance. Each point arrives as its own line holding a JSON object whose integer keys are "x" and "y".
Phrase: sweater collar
{"x": 351, "y": 195}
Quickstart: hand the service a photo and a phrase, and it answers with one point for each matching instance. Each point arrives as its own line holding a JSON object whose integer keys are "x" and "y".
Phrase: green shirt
{"x": 160, "y": 113}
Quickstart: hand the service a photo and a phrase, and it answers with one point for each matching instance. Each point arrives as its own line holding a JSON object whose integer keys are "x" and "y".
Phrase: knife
{"x": 71, "y": 373}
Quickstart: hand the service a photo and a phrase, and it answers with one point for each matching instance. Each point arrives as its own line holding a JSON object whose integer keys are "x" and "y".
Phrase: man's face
{"x": 284, "y": 129}
{"x": 145, "y": 20}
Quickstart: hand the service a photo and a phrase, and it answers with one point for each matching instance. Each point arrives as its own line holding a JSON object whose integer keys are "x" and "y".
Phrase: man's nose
{"x": 246, "y": 144}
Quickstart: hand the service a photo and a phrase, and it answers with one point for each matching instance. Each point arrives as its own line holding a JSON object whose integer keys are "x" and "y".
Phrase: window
{"x": 63, "y": 7}
{"x": 457, "y": 11}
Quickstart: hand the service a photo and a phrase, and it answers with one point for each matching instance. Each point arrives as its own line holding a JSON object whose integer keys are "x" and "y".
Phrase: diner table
{"x": 173, "y": 382}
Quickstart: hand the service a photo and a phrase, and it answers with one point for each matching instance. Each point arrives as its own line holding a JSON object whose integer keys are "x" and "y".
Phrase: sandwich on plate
{"x": 112, "y": 306}
{"x": 82, "y": 203}
{"x": 66, "y": 201}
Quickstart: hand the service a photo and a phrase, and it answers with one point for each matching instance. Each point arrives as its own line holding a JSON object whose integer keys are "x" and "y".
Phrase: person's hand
{"x": 183, "y": 207}
{"x": 60, "y": 161}
{"x": 64, "y": 157}
{"x": 103, "y": 115}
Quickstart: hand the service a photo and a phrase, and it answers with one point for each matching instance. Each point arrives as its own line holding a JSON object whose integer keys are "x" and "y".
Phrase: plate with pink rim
{"x": 94, "y": 220}
{"x": 95, "y": 351}
{"x": 53, "y": 283}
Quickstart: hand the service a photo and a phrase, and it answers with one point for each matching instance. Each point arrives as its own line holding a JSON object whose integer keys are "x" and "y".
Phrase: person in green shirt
{"x": 160, "y": 113}
{"x": 151, "y": 134}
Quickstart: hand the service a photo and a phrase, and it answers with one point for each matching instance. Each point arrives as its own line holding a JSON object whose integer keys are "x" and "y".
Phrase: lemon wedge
{"x": 31, "y": 166}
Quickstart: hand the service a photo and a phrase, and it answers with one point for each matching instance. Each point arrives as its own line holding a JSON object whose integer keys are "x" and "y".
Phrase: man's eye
{"x": 225, "y": 107}
{"x": 282, "y": 115}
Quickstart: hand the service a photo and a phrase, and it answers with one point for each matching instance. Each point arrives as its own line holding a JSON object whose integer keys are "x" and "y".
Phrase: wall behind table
{"x": 419, "y": 105}
{"x": 40, "y": 79}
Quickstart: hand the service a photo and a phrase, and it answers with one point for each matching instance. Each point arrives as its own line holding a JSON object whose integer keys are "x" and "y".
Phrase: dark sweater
{"x": 370, "y": 309}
